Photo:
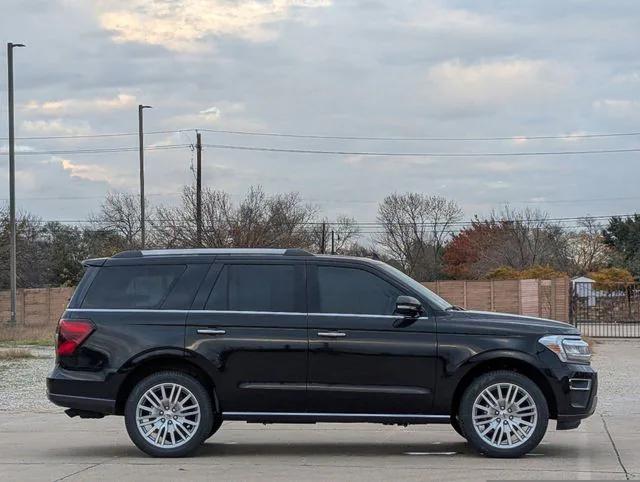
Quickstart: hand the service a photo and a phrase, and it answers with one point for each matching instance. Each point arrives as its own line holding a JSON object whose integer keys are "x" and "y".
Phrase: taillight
{"x": 71, "y": 334}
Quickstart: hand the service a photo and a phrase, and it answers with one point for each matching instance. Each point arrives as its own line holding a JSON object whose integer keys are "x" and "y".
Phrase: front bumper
{"x": 576, "y": 392}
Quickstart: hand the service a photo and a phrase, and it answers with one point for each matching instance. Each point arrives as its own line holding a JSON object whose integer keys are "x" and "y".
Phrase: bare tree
{"x": 31, "y": 255}
{"x": 587, "y": 249}
{"x": 516, "y": 239}
{"x": 271, "y": 221}
{"x": 345, "y": 232}
{"x": 120, "y": 213}
{"x": 527, "y": 238}
{"x": 415, "y": 228}
{"x": 258, "y": 220}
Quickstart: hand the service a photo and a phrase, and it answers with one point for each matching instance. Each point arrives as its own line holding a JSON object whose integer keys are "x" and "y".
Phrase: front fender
{"x": 460, "y": 356}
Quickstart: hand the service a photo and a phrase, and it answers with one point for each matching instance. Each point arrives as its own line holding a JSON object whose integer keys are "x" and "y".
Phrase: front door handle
{"x": 331, "y": 334}
{"x": 211, "y": 332}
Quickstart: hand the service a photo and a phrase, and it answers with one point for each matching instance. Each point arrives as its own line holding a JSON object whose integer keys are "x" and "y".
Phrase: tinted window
{"x": 132, "y": 286}
{"x": 354, "y": 291}
{"x": 254, "y": 287}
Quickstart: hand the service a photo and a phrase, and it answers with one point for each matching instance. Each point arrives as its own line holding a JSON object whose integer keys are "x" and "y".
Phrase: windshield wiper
{"x": 454, "y": 308}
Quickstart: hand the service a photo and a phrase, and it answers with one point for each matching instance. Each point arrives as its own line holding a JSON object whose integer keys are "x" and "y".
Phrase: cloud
{"x": 623, "y": 108}
{"x": 81, "y": 106}
{"x": 89, "y": 172}
{"x": 54, "y": 127}
{"x": 231, "y": 115}
{"x": 181, "y": 25}
{"x": 211, "y": 114}
{"x": 445, "y": 19}
{"x": 461, "y": 88}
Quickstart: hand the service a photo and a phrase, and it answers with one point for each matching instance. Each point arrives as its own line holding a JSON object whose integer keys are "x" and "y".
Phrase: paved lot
{"x": 38, "y": 442}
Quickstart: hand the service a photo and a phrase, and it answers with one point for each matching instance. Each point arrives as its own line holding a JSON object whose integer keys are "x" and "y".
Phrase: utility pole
{"x": 333, "y": 242}
{"x": 141, "y": 147}
{"x": 199, "y": 189}
{"x": 323, "y": 239}
{"x": 12, "y": 186}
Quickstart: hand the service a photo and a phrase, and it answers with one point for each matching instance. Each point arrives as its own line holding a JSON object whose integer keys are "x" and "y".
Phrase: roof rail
{"x": 297, "y": 252}
{"x": 211, "y": 251}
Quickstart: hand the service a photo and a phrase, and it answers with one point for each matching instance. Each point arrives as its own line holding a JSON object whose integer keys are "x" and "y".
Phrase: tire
{"x": 455, "y": 423}
{"x": 215, "y": 426}
{"x": 162, "y": 432}
{"x": 506, "y": 435}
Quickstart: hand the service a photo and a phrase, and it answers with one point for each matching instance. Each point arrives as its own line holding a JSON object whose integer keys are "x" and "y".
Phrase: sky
{"x": 427, "y": 68}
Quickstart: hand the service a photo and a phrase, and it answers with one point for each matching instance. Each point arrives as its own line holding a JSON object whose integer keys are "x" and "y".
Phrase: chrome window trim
{"x": 233, "y": 312}
{"x": 360, "y": 315}
{"x": 143, "y": 310}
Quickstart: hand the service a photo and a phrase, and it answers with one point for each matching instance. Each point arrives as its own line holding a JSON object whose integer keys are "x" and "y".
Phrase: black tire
{"x": 199, "y": 393}
{"x": 215, "y": 426}
{"x": 455, "y": 423}
{"x": 465, "y": 415}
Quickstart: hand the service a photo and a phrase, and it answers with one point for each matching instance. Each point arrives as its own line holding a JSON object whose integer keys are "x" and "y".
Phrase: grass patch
{"x": 19, "y": 334}
{"x": 15, "y": 353}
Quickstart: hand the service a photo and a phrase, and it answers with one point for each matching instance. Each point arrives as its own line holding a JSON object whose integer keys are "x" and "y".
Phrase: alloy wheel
{"x": 504, "y": 415}
{"x": 168, "y": 415}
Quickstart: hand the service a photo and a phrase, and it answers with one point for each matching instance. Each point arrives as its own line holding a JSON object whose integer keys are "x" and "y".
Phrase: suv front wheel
{"x": 168, "y": 414}
{"x": 503, "y": 414}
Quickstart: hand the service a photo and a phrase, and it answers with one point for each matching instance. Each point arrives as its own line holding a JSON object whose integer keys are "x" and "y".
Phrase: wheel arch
{"x": 166, "y": 360}
{"x": 505, "y": 361}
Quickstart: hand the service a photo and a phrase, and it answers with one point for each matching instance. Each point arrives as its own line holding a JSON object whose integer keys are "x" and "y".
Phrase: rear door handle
{"x": 331, "y": 334}
{"x": 211, "y": 332}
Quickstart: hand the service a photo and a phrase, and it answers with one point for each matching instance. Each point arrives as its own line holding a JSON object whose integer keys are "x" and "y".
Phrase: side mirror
{"x": 408, "y": 307}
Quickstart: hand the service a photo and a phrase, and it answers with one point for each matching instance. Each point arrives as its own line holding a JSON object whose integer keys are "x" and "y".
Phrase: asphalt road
{"x": 50, "y": 446}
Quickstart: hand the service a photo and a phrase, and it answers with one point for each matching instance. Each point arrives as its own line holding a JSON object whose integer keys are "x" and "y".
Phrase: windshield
{"x": 434, "y": 300}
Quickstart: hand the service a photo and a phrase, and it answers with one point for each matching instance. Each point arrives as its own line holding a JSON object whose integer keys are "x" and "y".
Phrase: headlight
{"x": 572, "y": 349}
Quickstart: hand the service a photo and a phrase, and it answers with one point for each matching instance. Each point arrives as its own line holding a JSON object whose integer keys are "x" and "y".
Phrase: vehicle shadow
{"x": 311, "y": 450}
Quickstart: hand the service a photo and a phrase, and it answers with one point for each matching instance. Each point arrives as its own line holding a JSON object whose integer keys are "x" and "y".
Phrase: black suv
{"x": 179, "y": 341}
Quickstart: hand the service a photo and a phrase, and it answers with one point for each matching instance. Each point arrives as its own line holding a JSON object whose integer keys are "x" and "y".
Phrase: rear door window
{"x": 259, "y": 287}
{"x": 131, "y": 287}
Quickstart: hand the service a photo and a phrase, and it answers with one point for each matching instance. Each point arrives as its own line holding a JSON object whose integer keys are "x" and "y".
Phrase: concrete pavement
{"x": 50, "y": 446}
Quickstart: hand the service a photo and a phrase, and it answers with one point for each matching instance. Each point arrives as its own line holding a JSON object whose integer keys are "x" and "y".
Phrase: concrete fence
{"x": 531, "y": 297}
{"x": 36, "y": 306}
{"x": 546, "y": 298}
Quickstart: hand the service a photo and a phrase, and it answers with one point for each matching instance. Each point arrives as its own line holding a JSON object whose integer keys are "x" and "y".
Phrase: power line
{"x": 374, "y": 224}
{"x": 102, "y": 150}
{"x": 339, "y": 137}
{"x": 98, "y": 150}
{"x": 336, "y": 201}
{"x": 76, "y": 198}
{"x": 419, "y": 154}
{"x": 96, "y": 136}
{"x": 399, "y": 138}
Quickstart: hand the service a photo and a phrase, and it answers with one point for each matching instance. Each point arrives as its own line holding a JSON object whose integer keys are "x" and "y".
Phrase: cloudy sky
{"x": 426, "y": 68}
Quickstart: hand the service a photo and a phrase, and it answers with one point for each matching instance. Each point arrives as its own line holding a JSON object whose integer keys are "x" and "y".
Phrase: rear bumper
{"x": 85, "y": 391}
{"x": 88, "y": 404}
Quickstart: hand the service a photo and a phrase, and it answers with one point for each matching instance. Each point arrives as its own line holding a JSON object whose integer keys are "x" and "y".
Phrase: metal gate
{"x": 611, "y": 311}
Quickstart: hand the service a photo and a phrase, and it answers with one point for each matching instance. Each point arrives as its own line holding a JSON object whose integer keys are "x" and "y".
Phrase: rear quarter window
{"x": 126, "y": 287}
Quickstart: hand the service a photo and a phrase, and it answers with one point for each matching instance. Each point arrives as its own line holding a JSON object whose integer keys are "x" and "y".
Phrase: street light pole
{"x": 12, "y": 185}
{"x": 199, "y": 190}
{"x": 141, "y": 147}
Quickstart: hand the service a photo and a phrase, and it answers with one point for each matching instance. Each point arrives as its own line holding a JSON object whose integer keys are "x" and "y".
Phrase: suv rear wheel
{"x": 503, "y": 414}
{"x": 168, "y": 414}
